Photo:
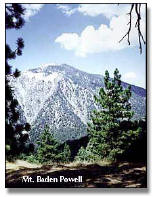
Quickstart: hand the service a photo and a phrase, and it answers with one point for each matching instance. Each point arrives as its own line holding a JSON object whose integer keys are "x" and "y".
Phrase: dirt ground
{"x": 117, "y": 175}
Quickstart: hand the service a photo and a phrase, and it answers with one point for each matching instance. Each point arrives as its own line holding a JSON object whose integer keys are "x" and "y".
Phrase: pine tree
{"x": 50, "y": 150}
{"x": 82, "y": 155}
{"x": 106, "y": 137}
{"x": 66, "y": 153}
{"x": 15, "y": 137}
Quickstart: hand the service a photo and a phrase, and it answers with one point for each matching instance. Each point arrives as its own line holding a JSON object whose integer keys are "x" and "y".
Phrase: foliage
{"x": 86, "y": 154}
{"x": 32, "y": 159}
{"x": 16, "y": 132}
{"x": 50, "y": 150}
{"x": 66, "y": 153}
{"x": 76, "y": 144}
{"x": 14, "y": 16}
{"x": 137, "y": 151}
{"x": 82, "y": 155}
{"x": 108, "y": 137}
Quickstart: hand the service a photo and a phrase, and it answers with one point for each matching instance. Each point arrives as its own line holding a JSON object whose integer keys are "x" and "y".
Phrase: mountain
{"x": 62, "y": 97}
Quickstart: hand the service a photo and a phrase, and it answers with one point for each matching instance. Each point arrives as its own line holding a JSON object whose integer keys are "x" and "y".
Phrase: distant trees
{"x": 15, "y": 130}
{"x": 50, "y": 150}
{"x": 108, "y": 138}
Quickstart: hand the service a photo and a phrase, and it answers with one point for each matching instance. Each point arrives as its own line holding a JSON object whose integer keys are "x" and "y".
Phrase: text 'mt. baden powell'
{"x": 49, "y": 179}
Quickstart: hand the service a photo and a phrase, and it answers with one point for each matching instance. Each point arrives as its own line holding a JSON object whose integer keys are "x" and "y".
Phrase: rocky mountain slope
{"x": 62, "y": 97}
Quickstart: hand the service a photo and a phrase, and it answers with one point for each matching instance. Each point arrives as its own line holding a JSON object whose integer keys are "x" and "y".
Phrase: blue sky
{"x": 85, "y": 36}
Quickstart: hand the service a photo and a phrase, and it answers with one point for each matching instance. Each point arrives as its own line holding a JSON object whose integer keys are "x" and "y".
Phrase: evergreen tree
{"x": 50, "y": 150}
{"x": 82, "y": 155}
{"x": 66, "y": 153}
{"x": 106, "y": 137}
{"x": 16, "y": 137}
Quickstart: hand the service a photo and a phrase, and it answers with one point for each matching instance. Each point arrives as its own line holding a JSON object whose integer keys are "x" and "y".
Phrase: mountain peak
{"x": 62, "y": 96}
{"x": 51, "y": 67}
{"x": 48, "y": 64}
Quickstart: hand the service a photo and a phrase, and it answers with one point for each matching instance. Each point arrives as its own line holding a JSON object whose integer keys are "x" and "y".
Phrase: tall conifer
{"x": 106, "y": 137}
{"x": 50, "y": 150}
{"x": 15, "y": 137}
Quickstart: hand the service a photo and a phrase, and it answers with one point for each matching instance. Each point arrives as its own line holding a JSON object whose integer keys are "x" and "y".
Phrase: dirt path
{"x": 119, "y": 175}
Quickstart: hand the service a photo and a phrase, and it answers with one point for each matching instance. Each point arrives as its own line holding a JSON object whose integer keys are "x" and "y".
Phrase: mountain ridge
{"x": 143, "y": 90}
{"x": 62, "y": 97}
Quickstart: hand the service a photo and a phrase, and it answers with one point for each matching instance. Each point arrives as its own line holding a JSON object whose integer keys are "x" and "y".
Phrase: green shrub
{"x": 32, "y": 159}
{"x": 50, "y": 150}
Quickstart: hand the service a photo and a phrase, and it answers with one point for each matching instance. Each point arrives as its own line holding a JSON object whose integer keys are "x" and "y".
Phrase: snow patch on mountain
{"x": 32, "y": 90}
{"x": 63, "y": 98}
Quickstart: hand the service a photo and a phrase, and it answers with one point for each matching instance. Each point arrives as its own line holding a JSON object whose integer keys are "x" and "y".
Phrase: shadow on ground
{"x": 119, "y": 175}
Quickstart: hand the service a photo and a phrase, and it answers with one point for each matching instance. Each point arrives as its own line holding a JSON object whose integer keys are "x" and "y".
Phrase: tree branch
{"x": 137, "y": 25}
{"x": 130, "y": 18}
{"x": 140, "y": 36}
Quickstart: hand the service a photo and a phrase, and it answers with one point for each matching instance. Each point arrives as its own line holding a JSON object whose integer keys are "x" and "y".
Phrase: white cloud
{"x": 104, "y": 38}
{"x": 129, "y": 75}
{"x": 108, "y": 10}
{"x": 103, "y": 9}
{"x": 93, "y": 10}
{"x": 31, "y": 10}
{"x": 68, "y": 41}
{"x": 66, "y": 9}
